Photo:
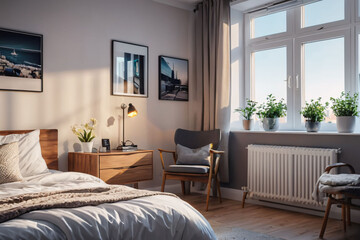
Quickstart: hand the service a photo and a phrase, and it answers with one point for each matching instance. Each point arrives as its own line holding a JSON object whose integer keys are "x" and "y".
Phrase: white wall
{"x": 237, "y": 66}
{"x": 77, "y": 56}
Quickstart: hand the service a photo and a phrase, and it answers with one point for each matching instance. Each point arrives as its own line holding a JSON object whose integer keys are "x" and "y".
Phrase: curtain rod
{"x": 197, "y": 5}
{"x": 271, "y": 5}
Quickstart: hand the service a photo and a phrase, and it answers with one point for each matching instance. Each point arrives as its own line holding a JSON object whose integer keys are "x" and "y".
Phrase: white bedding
{"x": 154, "y": 217}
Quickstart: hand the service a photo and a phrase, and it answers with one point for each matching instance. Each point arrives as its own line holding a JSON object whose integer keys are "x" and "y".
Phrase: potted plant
{"x": 270, "y": 112}
{"x": 346, "y": 110}
{"x": 247, "y": 113}
{"x": 314, "y": 113}
{"x": 85, "y": 134}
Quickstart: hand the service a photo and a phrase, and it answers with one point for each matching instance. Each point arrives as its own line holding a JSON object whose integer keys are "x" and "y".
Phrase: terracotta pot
{"x": 247, "y": 124}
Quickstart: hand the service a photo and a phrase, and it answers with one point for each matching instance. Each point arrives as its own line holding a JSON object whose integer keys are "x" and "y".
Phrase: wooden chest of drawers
{"x": 115, "y": 167}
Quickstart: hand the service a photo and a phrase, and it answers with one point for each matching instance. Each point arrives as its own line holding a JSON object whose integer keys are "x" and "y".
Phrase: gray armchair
{"x": 191, "y": 172}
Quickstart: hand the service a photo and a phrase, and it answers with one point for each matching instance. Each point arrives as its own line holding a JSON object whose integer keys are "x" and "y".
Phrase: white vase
{"x": 345, "y": 124}
{"x": 87, "y": 146}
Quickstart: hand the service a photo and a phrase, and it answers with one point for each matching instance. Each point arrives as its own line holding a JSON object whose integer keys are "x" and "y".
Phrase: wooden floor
{"x": 274, "y": 222}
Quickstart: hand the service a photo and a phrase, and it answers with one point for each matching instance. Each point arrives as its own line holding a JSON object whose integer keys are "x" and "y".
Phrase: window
{"x": 321, "y": 12}
{"x": 269, "y": 73}
{"x": 309, "y": 55}
{"x": 260, "y": 26}
{"x": 323, "y": 65}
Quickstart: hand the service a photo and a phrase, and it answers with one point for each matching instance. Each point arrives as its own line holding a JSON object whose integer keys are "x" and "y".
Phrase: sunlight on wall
{"x": 237, "y": 69}
{"x": 235, "y": 101}
{"x": 235, "y": 36}
{"x": 77, "y": 67}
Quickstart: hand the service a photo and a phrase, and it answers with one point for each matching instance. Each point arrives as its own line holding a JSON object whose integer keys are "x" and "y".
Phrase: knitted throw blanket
{"x": 15, "y": 206}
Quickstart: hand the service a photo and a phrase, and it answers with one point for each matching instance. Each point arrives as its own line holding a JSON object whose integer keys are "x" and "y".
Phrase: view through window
{"x": 318, "y": 36}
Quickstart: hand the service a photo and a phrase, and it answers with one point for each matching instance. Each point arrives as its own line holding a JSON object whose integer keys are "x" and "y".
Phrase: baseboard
{"x": 236, "y": 194}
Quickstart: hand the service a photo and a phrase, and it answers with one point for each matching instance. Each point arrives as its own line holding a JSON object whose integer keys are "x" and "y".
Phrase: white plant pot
{"x": 345, "y": 124}
{"x": 87, "y": 146}
{"x": 270, "y": 124}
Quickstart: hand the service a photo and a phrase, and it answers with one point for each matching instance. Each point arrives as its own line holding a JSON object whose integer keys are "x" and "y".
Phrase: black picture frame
{"x": 105, "y": 142}
{"x": 21, "y": 61}
{"x": 138, "y": 55}
{"x": 173, "y": 78}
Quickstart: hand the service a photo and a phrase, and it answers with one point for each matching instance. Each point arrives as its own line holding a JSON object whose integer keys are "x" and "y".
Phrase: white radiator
{"x": 286, "y": 173}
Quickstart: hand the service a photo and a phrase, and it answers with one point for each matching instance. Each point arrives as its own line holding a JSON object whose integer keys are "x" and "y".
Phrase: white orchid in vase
{"x": 85, "y": 132}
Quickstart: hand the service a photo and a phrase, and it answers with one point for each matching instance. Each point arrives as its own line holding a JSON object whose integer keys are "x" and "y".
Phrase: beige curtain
{"x": 213, "y": 71}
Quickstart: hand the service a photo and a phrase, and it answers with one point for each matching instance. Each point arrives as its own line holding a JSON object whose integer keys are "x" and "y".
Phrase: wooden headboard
{"x": 48, "y": 143}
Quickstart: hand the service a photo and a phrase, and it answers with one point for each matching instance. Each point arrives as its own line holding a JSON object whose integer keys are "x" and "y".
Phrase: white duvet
{"x": 154, "y": 217}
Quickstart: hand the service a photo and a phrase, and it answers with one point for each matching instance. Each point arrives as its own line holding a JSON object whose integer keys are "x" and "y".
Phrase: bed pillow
{"x": 188, "y": 156}
{"x": 9, "y": 163}
{"x": 31, "y": 161}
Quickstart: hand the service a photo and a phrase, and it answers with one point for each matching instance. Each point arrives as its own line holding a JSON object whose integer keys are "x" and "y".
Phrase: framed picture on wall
{"x": 129, "y": 69}
{"x": 21, "y": 61}
{"x": 173, "y": 79}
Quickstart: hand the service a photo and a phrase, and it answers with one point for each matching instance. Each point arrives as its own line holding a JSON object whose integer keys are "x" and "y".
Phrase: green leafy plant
{"x": 85, "y": 132}
{"x": 272, "y": 108}
{"x": 345, "y": 105}
{"x": 315, "y": 111}
{"x": 249, "y": 110}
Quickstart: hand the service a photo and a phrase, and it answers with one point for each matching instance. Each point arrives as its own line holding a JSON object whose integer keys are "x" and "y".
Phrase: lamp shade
{"x": 132, "y": 112}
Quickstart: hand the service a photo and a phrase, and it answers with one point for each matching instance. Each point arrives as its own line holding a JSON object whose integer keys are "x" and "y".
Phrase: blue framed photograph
{"x": 173, "y": 79}
{"x": 21, "y": 61}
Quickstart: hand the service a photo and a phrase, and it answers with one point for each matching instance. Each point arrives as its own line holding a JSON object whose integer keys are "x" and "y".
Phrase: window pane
{"x": 321, "y": 12}
{"x": 268, "y": 74}
{"x": 269, "y": 24}
{"x": 324, "y": 72}
{"x": 358, "y": 58}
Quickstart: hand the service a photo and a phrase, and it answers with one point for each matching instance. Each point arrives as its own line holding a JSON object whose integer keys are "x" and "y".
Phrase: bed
{"x": 151, "y": 216}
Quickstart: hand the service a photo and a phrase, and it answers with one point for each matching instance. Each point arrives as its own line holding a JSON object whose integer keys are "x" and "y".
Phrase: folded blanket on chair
{"x": 333, "y": 180}
{"x": 340, "y": 179}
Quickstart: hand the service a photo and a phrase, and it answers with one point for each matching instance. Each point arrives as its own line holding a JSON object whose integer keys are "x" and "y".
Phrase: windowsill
{"x": 297, "y": 132}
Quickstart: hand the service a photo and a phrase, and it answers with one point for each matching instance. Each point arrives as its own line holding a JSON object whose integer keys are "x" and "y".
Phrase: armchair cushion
{"x": 188, "y": 168}
{"x": 188, "y": 156}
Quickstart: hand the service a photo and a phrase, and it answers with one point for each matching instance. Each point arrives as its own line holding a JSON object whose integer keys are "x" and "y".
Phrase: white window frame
{"x": 289, "y": 72}
{"x": 250, "y": 17}
{"x": 349, "y": 28}
{"x": 356, "y": 56}
{"x": 299, "y": 91}
{"x": 324, "y": 26}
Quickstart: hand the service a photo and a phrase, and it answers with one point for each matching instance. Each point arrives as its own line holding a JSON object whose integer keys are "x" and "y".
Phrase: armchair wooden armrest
{"x": 338, "y": 165}
{"x": 166, "y": 151}
{"x": 216, "y": 151}
{"x": 217, "y": 159}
